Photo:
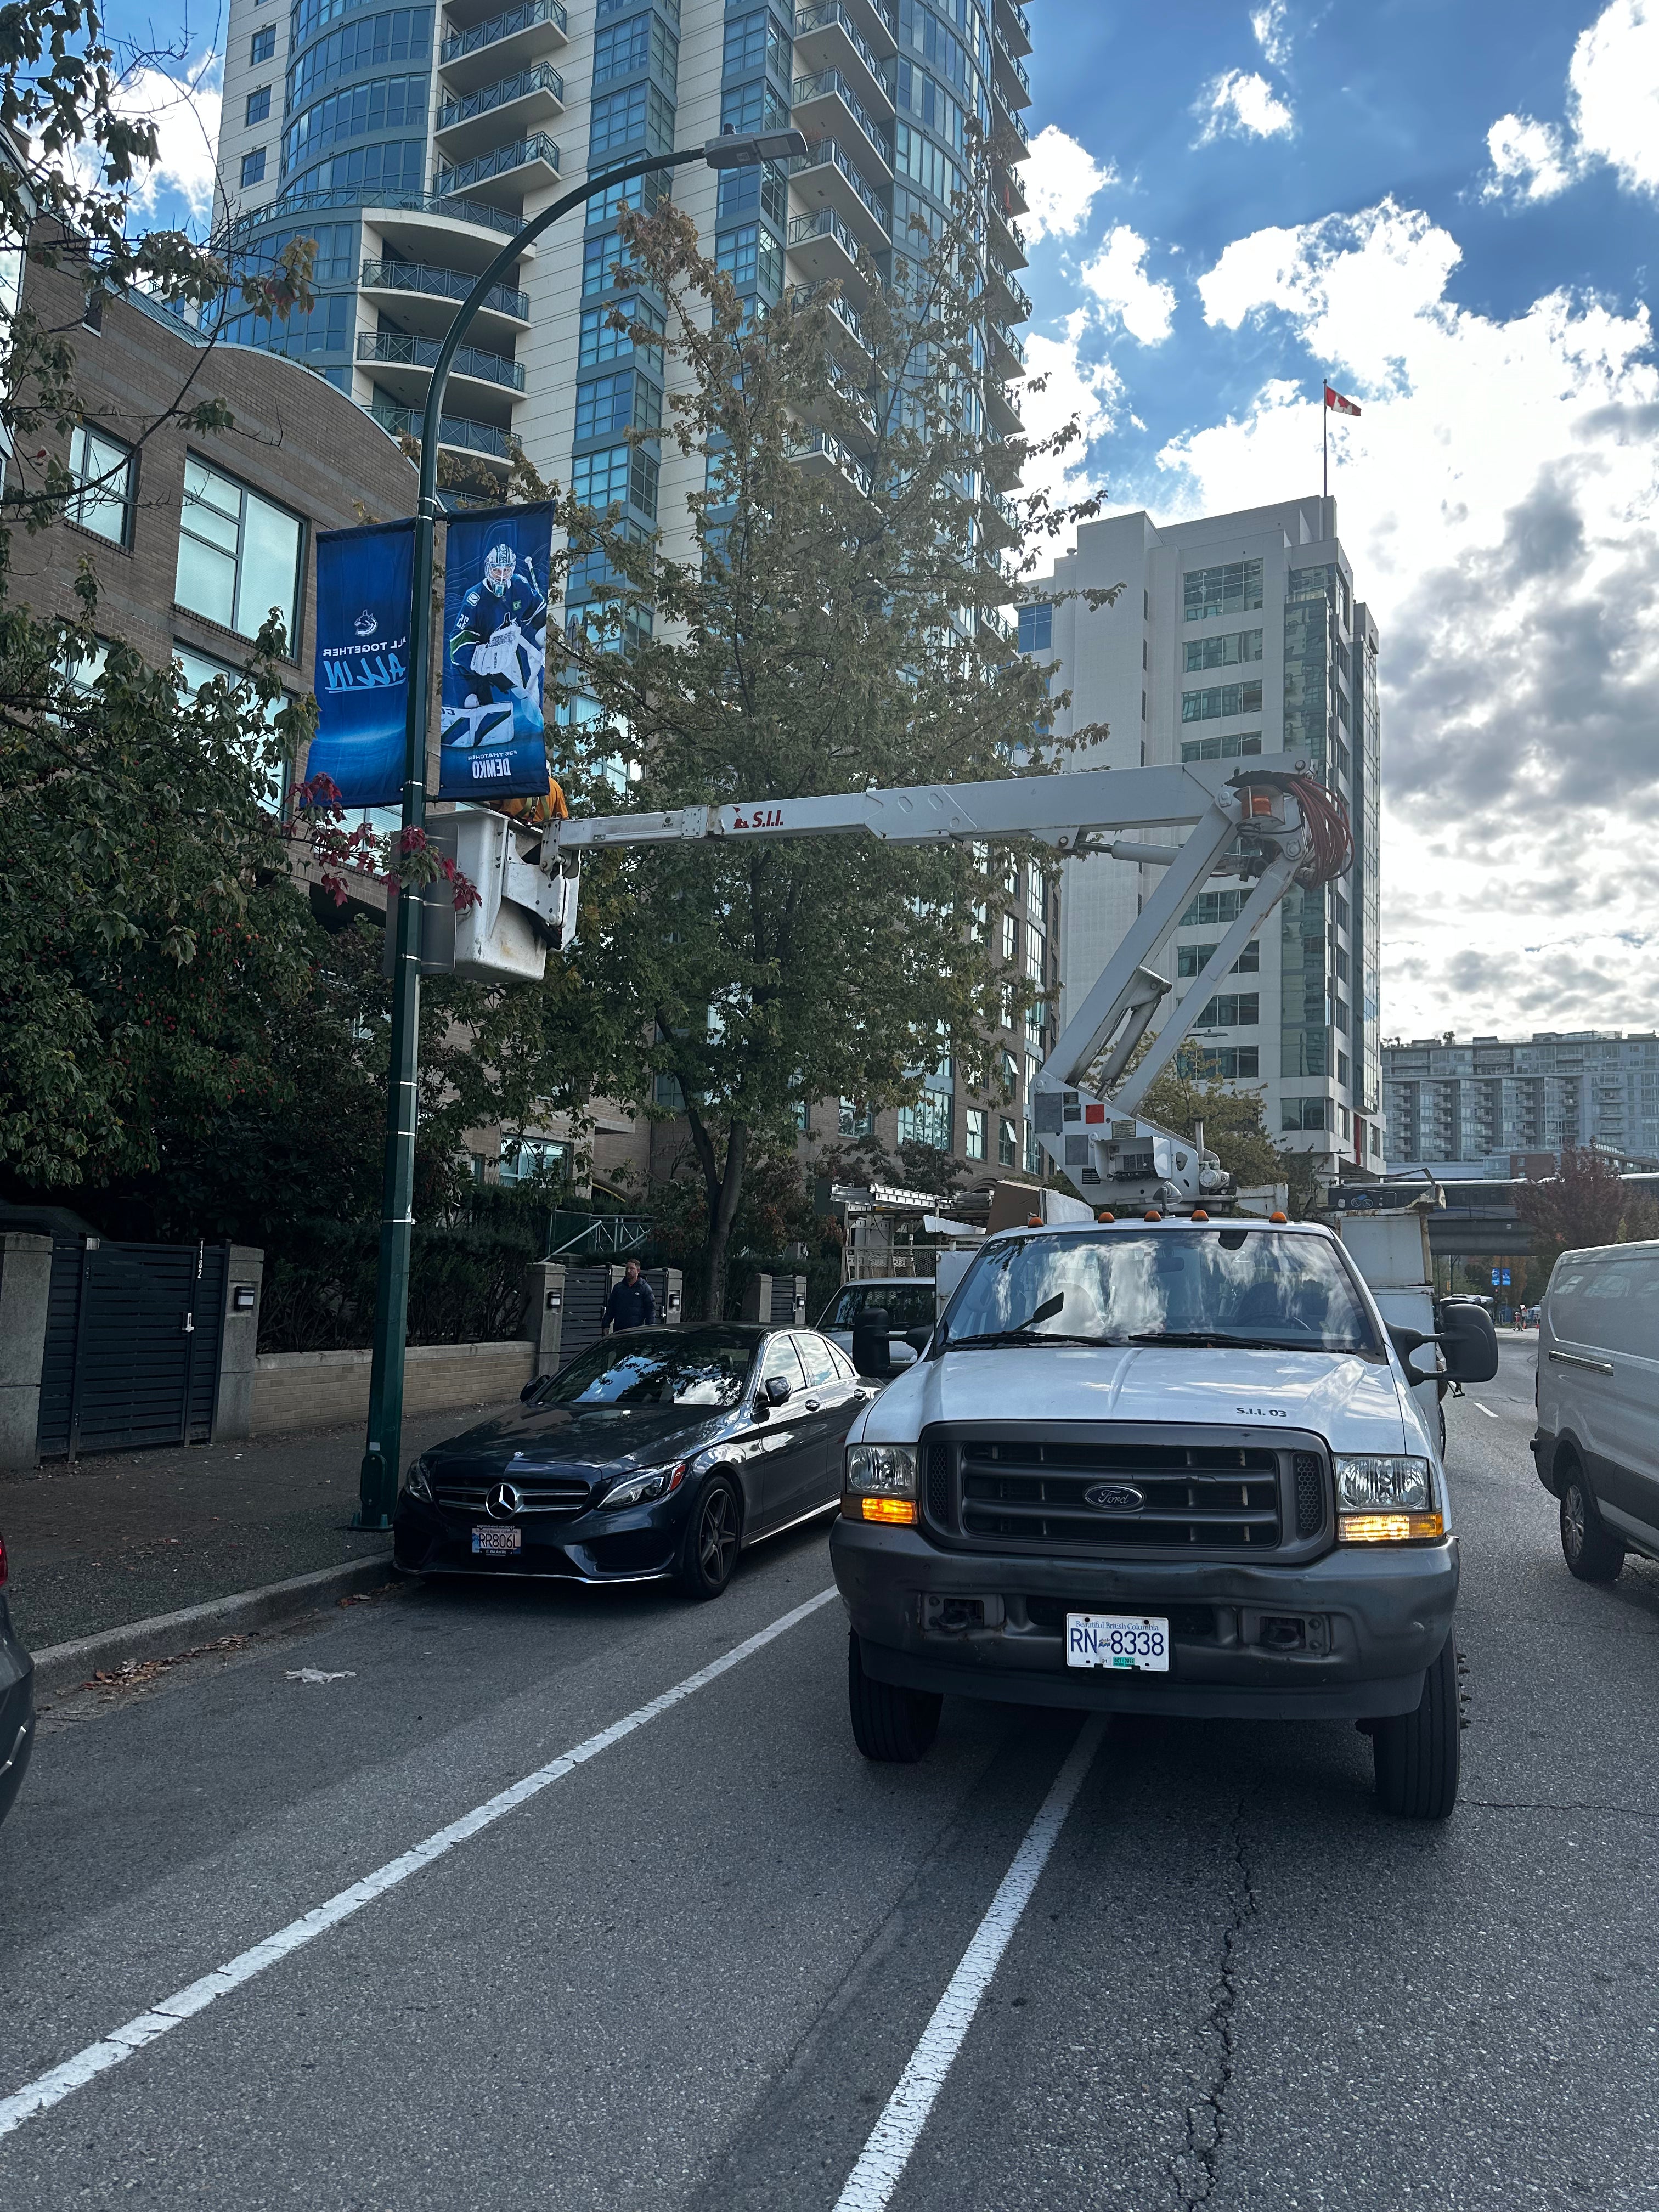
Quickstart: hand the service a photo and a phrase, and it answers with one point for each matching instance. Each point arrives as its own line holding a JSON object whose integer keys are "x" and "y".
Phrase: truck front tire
{"x": 1416, "y": 1755}
{"x": 889, "y": 1724}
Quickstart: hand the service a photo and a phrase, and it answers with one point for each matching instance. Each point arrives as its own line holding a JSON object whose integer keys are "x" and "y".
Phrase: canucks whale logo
{"x": 366, "y": 623}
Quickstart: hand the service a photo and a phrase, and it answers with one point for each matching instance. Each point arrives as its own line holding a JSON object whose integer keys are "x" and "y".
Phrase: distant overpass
{"x": 1479, "y": 1217}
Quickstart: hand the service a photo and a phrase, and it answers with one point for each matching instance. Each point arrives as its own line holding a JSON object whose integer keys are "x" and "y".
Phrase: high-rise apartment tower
{"x": 1238, "y": 634}
{"x": 412, "y": 140}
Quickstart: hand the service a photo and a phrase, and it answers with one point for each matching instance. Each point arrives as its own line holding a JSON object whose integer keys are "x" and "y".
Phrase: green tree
{"x": 1586, "y": 1203}
{"x": 1233, "y": 1129}
{"x": 829, "y": 630}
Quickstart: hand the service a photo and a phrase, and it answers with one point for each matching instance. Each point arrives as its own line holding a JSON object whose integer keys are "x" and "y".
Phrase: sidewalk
{"x": 132, "y": 1534}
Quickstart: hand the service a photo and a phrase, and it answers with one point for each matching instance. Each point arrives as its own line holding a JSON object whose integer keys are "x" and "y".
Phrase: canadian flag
{"x": 1334, "y": 398}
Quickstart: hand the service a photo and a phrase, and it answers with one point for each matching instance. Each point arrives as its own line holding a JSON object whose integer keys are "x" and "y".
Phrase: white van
{"x": 1597, "y": 1445}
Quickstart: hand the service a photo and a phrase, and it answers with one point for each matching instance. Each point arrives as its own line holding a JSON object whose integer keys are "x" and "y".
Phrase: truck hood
{"x": 1353, "y": 1403}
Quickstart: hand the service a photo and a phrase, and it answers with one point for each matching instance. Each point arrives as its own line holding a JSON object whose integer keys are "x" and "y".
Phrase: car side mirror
{"x": 873, "y": 1353}
{"x": 1469, "y": 1343}
{"x": 776, "y": 1389}
{"x": 532, "y": 1390}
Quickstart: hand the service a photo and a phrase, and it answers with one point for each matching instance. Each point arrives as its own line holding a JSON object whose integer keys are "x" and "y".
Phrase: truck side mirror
{"x": 872, "y": 1354}
{"x": 1469, "y": 1342}
{"x": 919, "y": 1338}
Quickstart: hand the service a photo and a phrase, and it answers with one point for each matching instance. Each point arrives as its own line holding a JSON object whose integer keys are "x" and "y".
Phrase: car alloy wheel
{"x": 712, "y": 1540}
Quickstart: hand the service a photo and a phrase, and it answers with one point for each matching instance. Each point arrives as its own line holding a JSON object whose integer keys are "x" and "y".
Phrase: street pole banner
{"x": 364, "y": 578}
{"x": 493, "y": 740}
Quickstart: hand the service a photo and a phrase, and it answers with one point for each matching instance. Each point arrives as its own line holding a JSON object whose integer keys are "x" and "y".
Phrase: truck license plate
{"x": 493, "y": 1543}
{"x": 1135, "y": 1641}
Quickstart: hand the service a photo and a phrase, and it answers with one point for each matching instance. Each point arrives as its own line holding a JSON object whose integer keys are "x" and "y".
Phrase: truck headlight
{"x": 881, "y": 1484}
{"x": 1382, "y": 1499}
{"x": 1369, "y": 1482}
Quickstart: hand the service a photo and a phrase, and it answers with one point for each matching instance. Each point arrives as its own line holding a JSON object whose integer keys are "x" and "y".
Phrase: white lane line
{"x": 896, "y": 2133}
{"x": 1480, "y": 1408}
{"x": 51, "y": 2088}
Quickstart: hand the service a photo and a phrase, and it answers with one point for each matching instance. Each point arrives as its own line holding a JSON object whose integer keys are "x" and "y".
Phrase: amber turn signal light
{"x": 1390, "y": 1528}
{"x": 897, "y": 1512}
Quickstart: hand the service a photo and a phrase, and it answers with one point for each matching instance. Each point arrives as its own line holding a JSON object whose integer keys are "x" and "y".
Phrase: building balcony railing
{"x": 531, "y": 15}
{"x": 1008, "y": 132}
{"x": 442, "y": 284}
{"x": 537, "y": 150}
{"x": 825, "y": 450}
{"x": 1017, "y": 294}
{"x": 1009, "y": 59}
{"x": 829, "y": 152}
{"x": 1010, "y": 344}
{"x": 367, "y": 196}
{"x": 452, "y": 430}
{"x": 1016, "y": 25}
{"x": 801, "y": 296}
{"x": 830, "y": 15}
{"x": 403, "y": 350}
{"x": 544, "y": 77}
{"x": 831, "y": 84}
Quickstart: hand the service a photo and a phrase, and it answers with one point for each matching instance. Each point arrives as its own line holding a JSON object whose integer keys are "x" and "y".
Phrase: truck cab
{"x": 1165, "y": 1465}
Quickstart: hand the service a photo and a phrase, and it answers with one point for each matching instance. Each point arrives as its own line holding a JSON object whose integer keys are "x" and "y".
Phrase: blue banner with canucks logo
{"x": 364, "y": 579}
{"x": 493, "y": 739}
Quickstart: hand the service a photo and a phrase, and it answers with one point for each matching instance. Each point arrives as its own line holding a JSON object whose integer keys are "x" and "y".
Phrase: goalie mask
{"x": 499, "y": 564}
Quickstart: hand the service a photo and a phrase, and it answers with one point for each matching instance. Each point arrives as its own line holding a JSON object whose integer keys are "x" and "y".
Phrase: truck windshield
{"x": 1200, "y": 1287}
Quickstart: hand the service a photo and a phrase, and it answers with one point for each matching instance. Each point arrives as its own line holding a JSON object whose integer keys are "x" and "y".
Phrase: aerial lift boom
{"x": 1271, "y": 822}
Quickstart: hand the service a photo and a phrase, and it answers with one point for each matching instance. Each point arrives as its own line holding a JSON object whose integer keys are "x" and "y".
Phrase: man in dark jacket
{"x": 630, "y": 1305}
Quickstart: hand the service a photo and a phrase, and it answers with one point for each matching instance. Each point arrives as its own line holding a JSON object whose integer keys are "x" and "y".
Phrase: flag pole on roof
{"x": 1334, "y": 402}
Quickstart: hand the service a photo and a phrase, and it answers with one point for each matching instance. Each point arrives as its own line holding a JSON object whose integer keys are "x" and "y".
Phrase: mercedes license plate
{"x": 1130, "y": 1640}
{"x": 494, "y": 1543}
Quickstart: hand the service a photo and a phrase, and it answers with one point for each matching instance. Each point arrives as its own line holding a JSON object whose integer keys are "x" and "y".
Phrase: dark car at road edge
{"x": 17, "y": 1702}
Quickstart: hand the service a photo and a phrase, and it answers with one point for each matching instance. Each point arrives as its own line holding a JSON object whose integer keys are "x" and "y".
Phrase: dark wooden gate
{"x": 132, "y": 1345}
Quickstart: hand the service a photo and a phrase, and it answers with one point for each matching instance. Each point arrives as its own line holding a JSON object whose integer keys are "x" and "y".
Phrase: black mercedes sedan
{"x": 17, "y": 1703}
{"x": 660, "y": 1453}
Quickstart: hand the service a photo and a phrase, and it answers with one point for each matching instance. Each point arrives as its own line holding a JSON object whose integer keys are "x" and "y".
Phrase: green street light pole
{"x": 383, "y": 1449}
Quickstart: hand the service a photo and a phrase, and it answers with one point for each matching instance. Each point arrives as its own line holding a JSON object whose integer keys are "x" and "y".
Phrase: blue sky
{"x": 1451, "y": 206}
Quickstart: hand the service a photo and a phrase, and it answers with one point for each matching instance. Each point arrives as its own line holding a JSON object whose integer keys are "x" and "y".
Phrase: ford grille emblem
{"x": 502, "y": 1503}
{"x": 1114, "y": 1498}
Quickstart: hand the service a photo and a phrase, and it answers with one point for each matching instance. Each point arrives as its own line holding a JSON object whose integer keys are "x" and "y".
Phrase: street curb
{"x": 65, "y": 1665}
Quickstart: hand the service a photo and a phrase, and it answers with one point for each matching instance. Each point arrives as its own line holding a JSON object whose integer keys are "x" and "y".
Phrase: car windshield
{"x": 1219, "y": 1286}
{"x": 908, "y": 1305}
{"x": 701, "y": 1368}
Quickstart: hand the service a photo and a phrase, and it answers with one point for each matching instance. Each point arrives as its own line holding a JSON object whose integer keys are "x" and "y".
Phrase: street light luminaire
{"x": 743, "y": 149}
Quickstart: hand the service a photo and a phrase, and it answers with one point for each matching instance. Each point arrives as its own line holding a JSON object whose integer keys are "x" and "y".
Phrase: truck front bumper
{"x": 1345, "y": 1637}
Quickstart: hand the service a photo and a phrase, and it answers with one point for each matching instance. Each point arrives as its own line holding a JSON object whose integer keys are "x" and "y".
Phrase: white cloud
{"x": 1499, "y": 498}
{"x": 1061, "y": 179}
{"x": 1117, "y": 276}
{"x": 1272, "y": 32}
{"x": 1614, "y": 80}
{"x": 185, "y": 110}
{"x": 1530, "y": 160}
{"x": 1242, "y": 104}
{"x": 1090, "y": 392}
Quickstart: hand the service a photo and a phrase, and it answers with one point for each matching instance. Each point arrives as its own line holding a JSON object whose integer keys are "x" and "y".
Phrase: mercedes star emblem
{"x": 502, "y": 1503}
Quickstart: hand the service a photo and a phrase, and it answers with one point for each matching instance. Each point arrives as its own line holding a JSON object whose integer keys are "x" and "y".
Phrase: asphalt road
{"x": 691, "y": 1970}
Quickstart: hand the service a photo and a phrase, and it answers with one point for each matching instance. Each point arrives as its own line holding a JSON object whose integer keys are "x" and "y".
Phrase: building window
{"x": 239, "y": 555}
{"x": 600, "y": 266}
{"x": 1234, "y": 588}
{"x": 927, "y": 1123}
{"x": 1234, "y": 1009}
{"x": 744, "y": 192}
{"x": 1302, "y": 1114}
{"x": 1228, "y": 1063}
{"x": 600, "y": 341}
{"x": 1229, "y": 748}
{"x": 198, "y": 669}
{"x": 264, "y": 48}
{"x": 1007, "y": 1156}
{"x": 1036, "y": 629}
{"x": 750, "y": 256}
{"x": 622, "y": 48}
{"x": 254, "y": 167}
{"x": 1222, "y": 699}
{"x": 1009, "y": 937}
{"x": 755, "y": 41}
{"x": 258, "y": 105}
{"x": 856, "y": 1120}
{"x": 1228, "y": 651}
{"x": 1194, "y": 959}
{"x": 1210, "y": 908}
{"x": 640, "y": 112}
{"x": 973, "y": 1141}
{"x": 621, "y": 401}
{"x": 1342, "y": 1070}
{"x": 107, "y": 473}
{"x": 755, "y": 106}
{"x": 614, "y": 476}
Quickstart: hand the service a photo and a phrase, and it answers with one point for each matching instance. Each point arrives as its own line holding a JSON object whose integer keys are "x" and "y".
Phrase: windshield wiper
{"x": 1024, "y": 1334}
{"x": 1222, "y": 1341}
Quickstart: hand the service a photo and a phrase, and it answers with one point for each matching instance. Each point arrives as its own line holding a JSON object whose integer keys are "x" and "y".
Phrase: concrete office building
{"x": 410, "y": 141}
{"x": 1233, "y": 635}
{"x": 1495, "y": 1106}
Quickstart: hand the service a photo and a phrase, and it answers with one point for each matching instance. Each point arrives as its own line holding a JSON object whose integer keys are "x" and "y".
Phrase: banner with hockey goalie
{"x": 493, "y": 741}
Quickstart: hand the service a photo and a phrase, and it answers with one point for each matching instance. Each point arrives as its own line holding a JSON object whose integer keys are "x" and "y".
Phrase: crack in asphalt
{"x": 1544, "y": 1805}
{"x": 1207, "y": 2119}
